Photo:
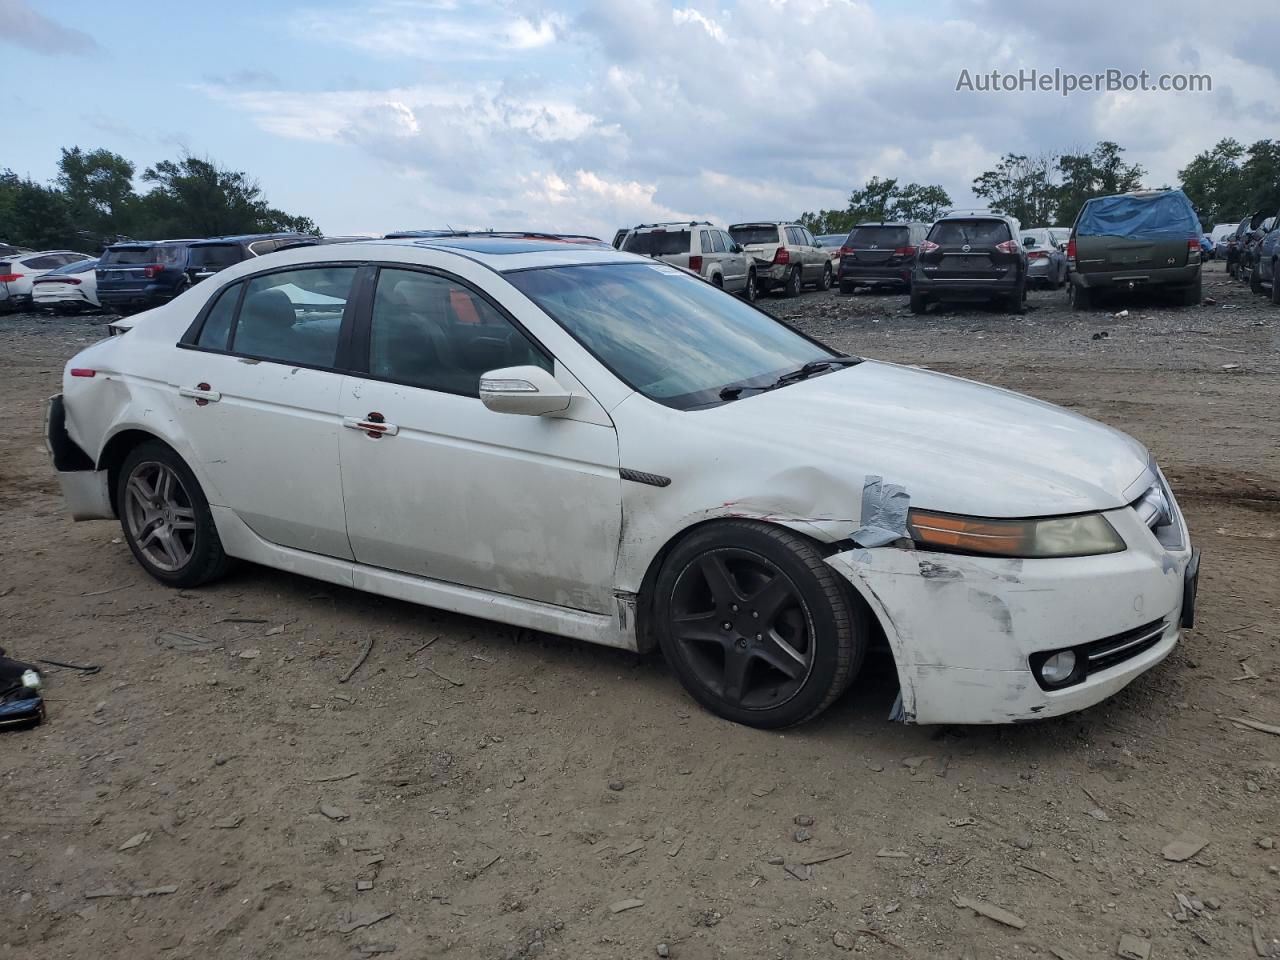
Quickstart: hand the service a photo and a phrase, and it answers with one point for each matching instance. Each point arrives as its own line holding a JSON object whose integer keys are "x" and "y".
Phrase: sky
{"x": 588, "y": 115}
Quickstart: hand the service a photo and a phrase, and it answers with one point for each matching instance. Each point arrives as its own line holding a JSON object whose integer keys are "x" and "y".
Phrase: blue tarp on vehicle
{"x": 1160, "y": 214}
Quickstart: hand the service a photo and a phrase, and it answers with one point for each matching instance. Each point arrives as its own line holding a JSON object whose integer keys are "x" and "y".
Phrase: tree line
{"x": 93, "y": 202}
{"x": 1225, "y": 183}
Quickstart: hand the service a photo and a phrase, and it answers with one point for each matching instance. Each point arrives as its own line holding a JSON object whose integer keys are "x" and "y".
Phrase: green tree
{"x": 1099, "y": 172}
{"x": 880, "y": 199}
{"x": 33, "y": 215}
{"x": 98, "y": 186}
{"x": 195, "y": 197}
{"x": 1022, "y": 187}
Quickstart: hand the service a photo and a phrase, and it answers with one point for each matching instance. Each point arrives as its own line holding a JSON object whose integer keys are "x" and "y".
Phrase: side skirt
{"x": 612, "y": 631}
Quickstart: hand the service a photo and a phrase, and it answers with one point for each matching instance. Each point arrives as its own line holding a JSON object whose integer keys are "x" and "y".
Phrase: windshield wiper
{"x": 793, "y": 376}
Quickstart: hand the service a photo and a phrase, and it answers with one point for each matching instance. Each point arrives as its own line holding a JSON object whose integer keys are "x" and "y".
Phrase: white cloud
{"x": 520, "y": 113}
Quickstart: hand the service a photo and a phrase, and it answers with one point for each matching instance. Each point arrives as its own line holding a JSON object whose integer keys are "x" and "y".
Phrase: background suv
{"x": 1145, "y": 239}
{"x": 786, "y": 254}
{"x": 699, "y": 247}
{"x": 971, "y": 256}
{"x": 139, "y": 275}
{"x": 207, "y": 257}
{"x": 876, "y": 254}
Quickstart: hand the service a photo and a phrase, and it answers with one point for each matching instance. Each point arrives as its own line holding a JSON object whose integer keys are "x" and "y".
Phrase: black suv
{"x": 207, "y": 257}
{"x": 971, "y": 256}
{"x": 880, "y": 254}
{"x": 141, "y": 274}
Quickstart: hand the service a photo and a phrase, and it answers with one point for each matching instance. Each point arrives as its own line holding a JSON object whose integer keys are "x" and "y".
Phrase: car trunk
{"x": 968, "y": 250}
{"x": 759, "y": 241}
{"x": 1106, "y": 254}
{"x": 872, "y": 245}
{"x": 124, "y": 269}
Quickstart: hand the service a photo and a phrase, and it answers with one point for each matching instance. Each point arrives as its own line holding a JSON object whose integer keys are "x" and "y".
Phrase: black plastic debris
{"x": 21, "y": 703}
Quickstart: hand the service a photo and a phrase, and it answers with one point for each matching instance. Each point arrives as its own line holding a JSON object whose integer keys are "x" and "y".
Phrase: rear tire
{"x": 846, "y": 287}
{"x": 795, "y": 283}
{"x": 826, "y": 278}
{"x": 1255, "y": 280}
{"x": 1017, "y": 300}
{"x": 1081, "y": 298}
{"x": 919, "y": 302}
{"x": 1275, "y": 283}
{"x": 751, "y": 291}
{"x": 166, "y": 518}
{"x": 1193, "y": 294}
{"x": 730, "y": 579}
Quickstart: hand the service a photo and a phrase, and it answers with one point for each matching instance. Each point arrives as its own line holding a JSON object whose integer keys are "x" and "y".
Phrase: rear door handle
{"x": 374, "y": 425}
{"x": 201, "y": 393}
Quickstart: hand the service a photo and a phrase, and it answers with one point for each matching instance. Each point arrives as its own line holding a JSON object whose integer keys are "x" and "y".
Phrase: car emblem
{"x": 965, "y": 248}
{"x": 875, "y": 246}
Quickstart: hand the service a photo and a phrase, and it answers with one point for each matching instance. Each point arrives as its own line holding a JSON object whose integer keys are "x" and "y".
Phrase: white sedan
{"x": 18, "y": 273}
{"x": 68, "y": 289}
{"x": 589, "y": 443}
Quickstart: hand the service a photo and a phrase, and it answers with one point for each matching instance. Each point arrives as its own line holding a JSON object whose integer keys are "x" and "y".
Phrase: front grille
{"x": 1102, "y": 654}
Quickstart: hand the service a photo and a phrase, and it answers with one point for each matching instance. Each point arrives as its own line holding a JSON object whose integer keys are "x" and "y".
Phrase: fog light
{"x": 1058, "y": 668}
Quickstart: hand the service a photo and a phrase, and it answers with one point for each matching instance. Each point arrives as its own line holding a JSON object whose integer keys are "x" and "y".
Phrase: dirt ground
{"x": 492, "y": 795}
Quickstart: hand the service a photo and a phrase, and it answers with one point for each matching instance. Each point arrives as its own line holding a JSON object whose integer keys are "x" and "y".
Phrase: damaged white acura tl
{"x": 588, "y": 443}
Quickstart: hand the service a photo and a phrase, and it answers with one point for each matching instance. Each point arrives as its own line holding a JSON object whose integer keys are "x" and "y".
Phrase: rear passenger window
{"x": 717, "y": 241}
{"x": 294, "y": 316}
{"x": 704, "y": 241}
{"x": 217, "y": 322}
{"x": 428, "y": 331}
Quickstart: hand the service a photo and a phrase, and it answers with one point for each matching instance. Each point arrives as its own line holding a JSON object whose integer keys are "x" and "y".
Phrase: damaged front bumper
{"x": 965, "y": 631}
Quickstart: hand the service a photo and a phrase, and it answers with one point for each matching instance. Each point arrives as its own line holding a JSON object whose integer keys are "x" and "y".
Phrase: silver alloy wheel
{"x": 158, "y": 511}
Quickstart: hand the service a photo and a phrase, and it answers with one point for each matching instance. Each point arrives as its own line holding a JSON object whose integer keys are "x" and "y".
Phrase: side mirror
{"x": 737, "y": 248}
{"x": 529, "y": 391}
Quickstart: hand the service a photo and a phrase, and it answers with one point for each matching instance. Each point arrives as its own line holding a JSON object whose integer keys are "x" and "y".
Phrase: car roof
{"x": 497, "y": 253}
{"x": 885, "y": 223}
{"x": 246, "y": 238}
{"x": 764, "y": 223}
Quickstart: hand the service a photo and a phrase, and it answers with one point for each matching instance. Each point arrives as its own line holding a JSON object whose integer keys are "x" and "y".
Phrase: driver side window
{"x": 432, "y": 332}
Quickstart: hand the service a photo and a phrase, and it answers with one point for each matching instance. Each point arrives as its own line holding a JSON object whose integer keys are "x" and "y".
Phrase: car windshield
{"x": 754, "y": 233}
{"x": 216, "y": 256}
{"x": 657, "y": 243}
{"x": 667, "y": 334}
{"x": 883, "y": 237}
{"x": 128, "y": 255}
{"x": 977, "y": 233}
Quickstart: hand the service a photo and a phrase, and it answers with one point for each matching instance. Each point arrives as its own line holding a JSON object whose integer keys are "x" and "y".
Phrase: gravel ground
{"x": 498, "y": 795}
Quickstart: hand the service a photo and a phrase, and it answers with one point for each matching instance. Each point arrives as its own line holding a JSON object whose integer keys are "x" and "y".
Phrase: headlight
{"x": 1083, "y": 535}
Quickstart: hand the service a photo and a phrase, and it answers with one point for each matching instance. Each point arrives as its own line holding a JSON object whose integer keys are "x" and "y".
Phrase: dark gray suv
{"x": 880, "y": 254}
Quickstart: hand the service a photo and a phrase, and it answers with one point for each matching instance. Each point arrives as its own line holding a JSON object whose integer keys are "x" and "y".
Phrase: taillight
{"x": 1071, "y": 249}
{"x": 58, "y": 280}
{"x": 1008, "y": 246}
{"x": 1193, "y": 245}
{"x": 928, "y": 246}
{"x": 83, "y": 372}
{"x": 782, "y": 255}
{"x": 905, "y": 252}
{"x": 695, "y": 264}
{"x": 844, "y": 250}
{"x": 9, "y": 277}
{"x": 1037, "y": 254}
{"x": 152, "y": 270}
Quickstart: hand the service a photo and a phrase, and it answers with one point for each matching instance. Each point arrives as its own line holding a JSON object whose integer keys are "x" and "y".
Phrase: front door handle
{"x": 201, "y": 393}
{"x": 374, "y": 424}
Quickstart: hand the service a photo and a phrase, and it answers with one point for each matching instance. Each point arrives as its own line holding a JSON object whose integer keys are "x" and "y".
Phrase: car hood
{"x": 954, "y": 445}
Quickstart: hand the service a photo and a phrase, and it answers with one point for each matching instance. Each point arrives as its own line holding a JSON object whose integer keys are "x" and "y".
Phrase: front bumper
{"x": 964, "y": 629}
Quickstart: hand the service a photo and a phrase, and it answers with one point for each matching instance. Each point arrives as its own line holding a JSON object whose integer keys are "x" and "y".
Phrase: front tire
{"x": 751, "y": 291}
{"x": 756, "y": 625}
{"x": 1255, "y": 280}
{"x": 166, "y": 518}
{"x": 826, "y": 278}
